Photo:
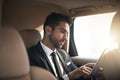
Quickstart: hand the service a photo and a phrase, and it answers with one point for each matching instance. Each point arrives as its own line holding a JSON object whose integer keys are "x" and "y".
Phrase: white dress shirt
{"x": 48, "y": 52}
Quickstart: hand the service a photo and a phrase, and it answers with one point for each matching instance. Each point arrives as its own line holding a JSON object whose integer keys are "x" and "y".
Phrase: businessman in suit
{"x": 56, "y": 31}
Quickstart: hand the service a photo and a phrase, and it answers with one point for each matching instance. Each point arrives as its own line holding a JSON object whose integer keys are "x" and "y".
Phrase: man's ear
{"x": 48, "y": 29}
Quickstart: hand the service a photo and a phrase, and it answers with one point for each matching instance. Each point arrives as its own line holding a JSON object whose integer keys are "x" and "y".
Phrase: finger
{"x": 85, "y": 74}
{"x": 90, "y": 64}
{"x": 87, "y": 69}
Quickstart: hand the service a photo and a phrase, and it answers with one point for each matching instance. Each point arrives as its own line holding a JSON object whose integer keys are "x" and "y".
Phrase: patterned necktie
{"x": 57, "y": 67}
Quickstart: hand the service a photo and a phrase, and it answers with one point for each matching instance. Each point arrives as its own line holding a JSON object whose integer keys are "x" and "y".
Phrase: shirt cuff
{"x": 65, "y": 77}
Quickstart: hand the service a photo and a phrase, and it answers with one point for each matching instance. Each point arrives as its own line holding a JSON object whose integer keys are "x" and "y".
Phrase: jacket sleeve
{"x": 67, "y": 60}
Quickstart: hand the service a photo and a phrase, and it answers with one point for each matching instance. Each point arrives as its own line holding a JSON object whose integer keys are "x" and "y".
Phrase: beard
{"x": 55, "y": 42}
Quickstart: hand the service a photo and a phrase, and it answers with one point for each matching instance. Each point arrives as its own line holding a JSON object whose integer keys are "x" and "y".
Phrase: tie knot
{"x": 53, "y": 54}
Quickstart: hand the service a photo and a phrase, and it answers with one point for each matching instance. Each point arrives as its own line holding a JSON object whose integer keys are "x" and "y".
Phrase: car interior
{"x": 21, "y": 26}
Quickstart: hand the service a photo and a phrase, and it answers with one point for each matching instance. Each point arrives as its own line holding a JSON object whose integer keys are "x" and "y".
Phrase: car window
{"x": 91, "y": 34}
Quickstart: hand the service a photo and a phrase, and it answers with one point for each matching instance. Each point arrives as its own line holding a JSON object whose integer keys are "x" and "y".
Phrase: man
{"x": 56, "y": 31}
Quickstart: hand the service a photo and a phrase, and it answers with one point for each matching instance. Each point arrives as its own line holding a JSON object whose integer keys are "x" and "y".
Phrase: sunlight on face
{"x": 91, "y": 34}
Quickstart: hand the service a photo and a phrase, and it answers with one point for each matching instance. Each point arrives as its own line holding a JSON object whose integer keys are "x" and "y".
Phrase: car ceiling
{"x": 77, "y": 3}
{"x": 27, "y": 14}
{"x": 84, "y": 7}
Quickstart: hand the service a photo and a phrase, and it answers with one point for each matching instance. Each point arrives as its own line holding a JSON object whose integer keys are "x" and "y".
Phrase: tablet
{"x": 98, "y": 65}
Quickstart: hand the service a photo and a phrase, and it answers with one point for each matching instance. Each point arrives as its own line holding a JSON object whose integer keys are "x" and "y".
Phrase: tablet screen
{"x": 98, "y": 65}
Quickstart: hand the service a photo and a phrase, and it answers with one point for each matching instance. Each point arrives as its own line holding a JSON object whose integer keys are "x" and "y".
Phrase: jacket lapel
{"x": 62, "y": 61}
{"x": 44, "y": 58}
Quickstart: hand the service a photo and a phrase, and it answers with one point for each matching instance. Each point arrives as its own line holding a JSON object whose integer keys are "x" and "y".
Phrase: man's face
{"x": 59, "y": 35}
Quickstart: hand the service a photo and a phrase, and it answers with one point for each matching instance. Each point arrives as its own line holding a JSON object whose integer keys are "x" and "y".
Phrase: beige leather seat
{"x": 111, "y": 65}
{"x": 111, "y": 61}
{"x": 40, "y": 74}
{"x": 30, "y": 37}
{"x": 14, "y": 64}
{"x": 115, "y": 27}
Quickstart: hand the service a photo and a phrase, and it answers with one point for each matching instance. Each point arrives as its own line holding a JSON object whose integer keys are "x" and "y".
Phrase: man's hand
{"x": 86, "y": 69}
{"x": 91, "y": 65}
{"x": 83, "y": 71}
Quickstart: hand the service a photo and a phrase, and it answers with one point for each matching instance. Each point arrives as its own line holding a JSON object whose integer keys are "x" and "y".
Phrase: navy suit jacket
{"x": 38, "y": 58}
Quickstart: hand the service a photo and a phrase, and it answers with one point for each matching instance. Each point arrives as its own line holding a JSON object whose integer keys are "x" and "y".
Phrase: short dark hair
{"x": 54, "y": 19}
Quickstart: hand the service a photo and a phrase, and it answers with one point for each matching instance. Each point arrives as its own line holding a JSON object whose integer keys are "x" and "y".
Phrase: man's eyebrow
{"x": 63, "y": 30}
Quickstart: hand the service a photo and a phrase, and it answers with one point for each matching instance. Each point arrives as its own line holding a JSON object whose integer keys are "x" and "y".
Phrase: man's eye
{"x": 63, "y": 32}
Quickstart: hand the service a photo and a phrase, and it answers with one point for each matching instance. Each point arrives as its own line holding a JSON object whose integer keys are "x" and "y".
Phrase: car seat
{"x": 14, "y": 63}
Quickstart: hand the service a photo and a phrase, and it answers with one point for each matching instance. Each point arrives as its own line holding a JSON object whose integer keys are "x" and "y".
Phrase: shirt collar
{"x": 47, "y": 50}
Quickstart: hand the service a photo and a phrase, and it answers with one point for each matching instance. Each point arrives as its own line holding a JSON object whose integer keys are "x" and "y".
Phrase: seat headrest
{"x": 13, "y": 57}
{"x": 30, "y": 37}
{"x": 115, "y": 26}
